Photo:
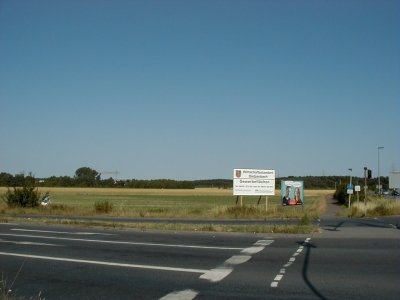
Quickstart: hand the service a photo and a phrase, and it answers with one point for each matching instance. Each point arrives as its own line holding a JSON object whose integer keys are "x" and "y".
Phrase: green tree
{"x": 6, "y": 179}
{"x": 26, "y": 195}
{"x": 86, "y": 176}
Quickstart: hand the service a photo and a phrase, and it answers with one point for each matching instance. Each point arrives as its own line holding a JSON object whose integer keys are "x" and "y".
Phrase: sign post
{"x": 357, "y": 189}
{"x": 350, "y": 192}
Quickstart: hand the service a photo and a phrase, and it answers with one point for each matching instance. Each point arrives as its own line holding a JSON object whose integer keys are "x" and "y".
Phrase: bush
{"x": 305, "y": 220}
{"x": 243, "y": 212}
{"x": 103, "y": 207}
{"x": 341, "y": 194}
{"x": 383, "y": 210}
{"x": 26, "y": 196}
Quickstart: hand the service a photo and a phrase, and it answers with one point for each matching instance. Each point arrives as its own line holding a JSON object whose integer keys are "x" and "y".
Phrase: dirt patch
{"x": 332, "y": 207}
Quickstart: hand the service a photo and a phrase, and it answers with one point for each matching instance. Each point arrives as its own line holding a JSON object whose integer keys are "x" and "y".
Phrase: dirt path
{"x": 332, "y": 208}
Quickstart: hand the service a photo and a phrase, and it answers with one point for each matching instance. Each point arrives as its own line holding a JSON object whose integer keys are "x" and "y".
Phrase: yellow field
{"x": 134, "y": 192}
{"x": 157, "y": 192}
{"x": 171, "y": 203}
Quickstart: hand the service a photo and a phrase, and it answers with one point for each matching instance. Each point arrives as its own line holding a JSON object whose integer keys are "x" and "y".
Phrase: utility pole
{"x": 365, "y": 183}
{"x": 365, "y": 191}
{"x": 379, "y": 177}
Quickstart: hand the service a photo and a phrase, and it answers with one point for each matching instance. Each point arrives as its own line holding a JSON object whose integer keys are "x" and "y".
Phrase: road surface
{"x": 348, "y": 259}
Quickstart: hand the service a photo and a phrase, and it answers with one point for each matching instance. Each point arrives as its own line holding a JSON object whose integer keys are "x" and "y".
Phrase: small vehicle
{"x": 395, "y": 193}
{"x": 45, "y": 201}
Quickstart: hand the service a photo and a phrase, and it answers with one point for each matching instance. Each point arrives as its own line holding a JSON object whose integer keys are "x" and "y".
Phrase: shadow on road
{"x": 308, "y": 247}
{"x": 336, "y": 225}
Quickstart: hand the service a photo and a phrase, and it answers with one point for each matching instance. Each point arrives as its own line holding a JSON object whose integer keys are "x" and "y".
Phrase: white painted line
{"x": 237, "y": 259}
{"x": 216, "y": 274}
{"x": 226, "y": 268}
{"x": 181, "y": 295}
{"x": 252, "y": 250}
{"x": 278, "y": 277}
{"x": 288, "y": 264}
{"x": 27, "y": 243}
{"x": 263, "y": 242}
{"x": 112, "y": 264}
{"x": 61, "y": 232}
{"x": 120, "y": 242}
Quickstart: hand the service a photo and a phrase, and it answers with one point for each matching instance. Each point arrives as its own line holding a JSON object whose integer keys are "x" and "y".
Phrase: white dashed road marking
{"x": 213, "y": 275}
{"x": 182, "y": 295}
{"x": 219, "y": 273}
{"x": 292, "y": 259}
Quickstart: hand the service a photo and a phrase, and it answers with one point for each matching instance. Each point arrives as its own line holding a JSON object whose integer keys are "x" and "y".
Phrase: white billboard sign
{"x": 253, "y": 182}
{"x": 394, "y": 180}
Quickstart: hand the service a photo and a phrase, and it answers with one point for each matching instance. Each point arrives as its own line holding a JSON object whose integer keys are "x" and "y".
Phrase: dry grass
{"x": 164, "y": 203}
{"x": 138, "y": 192}
{"x": 376, "y": 206}
{"x": 203, "y": 203}
{"x": 155, "y": 192}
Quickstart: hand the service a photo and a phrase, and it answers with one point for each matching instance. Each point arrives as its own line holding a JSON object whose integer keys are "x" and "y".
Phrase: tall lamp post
{"x": 379, "y": 177}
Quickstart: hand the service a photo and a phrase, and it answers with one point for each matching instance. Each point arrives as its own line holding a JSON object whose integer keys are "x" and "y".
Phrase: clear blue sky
{"x": 193, "y": 89}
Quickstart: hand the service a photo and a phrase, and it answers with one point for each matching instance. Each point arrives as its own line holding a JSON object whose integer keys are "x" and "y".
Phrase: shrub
{"x": 26, "y": 196}
{"x": 103, "y": 207}
{"x": 242, "y": 212}
{"x": 341, "y": 194}
{"x": 383, "y": 210}
{"x": 305, "y": 220}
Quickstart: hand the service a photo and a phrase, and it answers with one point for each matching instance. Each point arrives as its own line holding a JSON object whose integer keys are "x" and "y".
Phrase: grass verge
{"x": 302, "y": 227}
{"x": 375, "y": 206}
{"x": 195, "y": 204}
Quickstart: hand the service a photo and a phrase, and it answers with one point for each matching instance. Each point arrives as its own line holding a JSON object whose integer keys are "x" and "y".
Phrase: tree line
{"x": 88, "y": 177}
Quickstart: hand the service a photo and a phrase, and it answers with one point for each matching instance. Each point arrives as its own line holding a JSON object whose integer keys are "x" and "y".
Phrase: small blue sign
{"x": 349, "y": 186}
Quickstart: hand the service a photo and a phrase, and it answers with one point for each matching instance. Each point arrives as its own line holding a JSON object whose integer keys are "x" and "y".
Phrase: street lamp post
{"x": 379, "y": 177}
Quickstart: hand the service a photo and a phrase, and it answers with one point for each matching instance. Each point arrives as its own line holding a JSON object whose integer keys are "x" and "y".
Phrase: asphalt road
{"x": 349, "y": 259}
